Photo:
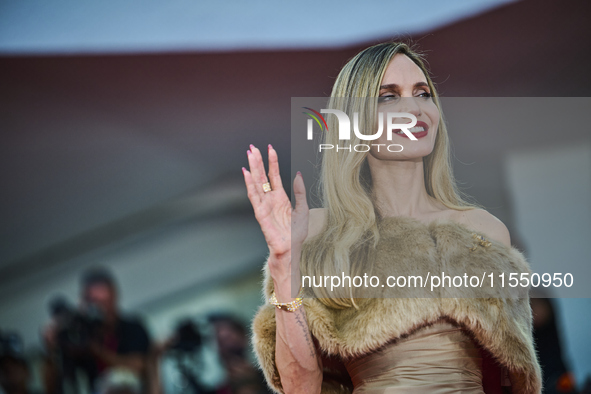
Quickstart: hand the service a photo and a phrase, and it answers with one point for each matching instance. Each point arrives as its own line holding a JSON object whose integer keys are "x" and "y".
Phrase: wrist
{"x": 286, "y": 290}
{"x": 280, "y": 268}
{"x": 290, "y": 306}
{"x": 280, "y": 258}
{"x": 286, "y": 255}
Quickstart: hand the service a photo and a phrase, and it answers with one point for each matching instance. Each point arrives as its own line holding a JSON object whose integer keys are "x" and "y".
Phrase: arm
{"x": 299, "y": 347}
{"x": 335, "y": 378}
{"x": 50, "y": 371}
{"x": 298, "y": 364}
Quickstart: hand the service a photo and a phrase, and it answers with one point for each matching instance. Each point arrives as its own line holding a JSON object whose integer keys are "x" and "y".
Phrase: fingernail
{"x": 270, "y": 146}
{"x": 299, "y": 173}
{"x": 248, "y": 152}
{"x": 243, "y": 170}
{"x": 251, "y": 146}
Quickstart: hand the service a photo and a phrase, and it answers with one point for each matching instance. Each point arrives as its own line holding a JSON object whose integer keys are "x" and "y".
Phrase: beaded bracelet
{"x": 291, "y": 306}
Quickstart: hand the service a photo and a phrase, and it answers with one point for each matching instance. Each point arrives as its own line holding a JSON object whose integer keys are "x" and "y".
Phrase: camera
{"x": 76, "y": 329}
{"x": 187, "y": 337}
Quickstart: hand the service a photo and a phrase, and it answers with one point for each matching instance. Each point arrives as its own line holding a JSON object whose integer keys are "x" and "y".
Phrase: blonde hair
{"x": 347, "y": 243}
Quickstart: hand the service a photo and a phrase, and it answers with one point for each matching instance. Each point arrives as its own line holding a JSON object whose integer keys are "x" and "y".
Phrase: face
{"x": 404, "y": 88}
{"x": 230, "y": 340}
{"x": 102, "y": 296}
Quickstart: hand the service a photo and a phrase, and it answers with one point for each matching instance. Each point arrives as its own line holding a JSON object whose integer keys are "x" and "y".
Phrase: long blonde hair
{"x": 347, "y": 243}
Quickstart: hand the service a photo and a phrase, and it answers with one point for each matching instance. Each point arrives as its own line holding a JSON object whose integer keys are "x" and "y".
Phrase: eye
{"x": 426, "y": 95}
{"x": 385, "y": 99}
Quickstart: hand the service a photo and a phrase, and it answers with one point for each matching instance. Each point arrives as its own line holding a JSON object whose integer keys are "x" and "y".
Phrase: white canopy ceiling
{"x": 111, "y": 26}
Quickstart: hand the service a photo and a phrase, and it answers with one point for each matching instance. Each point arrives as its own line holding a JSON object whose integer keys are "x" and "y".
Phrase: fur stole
{"x": 500, "y": 321}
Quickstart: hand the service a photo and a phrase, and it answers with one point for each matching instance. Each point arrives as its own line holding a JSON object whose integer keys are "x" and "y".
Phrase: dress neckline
{"x": 434, "y": 225}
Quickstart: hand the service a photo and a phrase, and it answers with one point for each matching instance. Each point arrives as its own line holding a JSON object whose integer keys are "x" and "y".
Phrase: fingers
{"x": 299, "y": 191}
{"x": 251, "y": 188}
{"x": 274, "y": 176}
{"x": 257, "y": 168}
{"x": 254, "y": 178}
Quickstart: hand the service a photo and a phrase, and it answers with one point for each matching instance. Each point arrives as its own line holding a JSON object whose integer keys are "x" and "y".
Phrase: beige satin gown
{"x": 437, "y": 359}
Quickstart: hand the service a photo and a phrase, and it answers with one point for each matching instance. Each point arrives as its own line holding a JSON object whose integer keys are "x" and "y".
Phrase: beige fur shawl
{"x": 501, "y": 323}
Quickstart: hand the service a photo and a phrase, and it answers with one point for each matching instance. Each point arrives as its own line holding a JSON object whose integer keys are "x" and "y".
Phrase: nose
{"x": 410, "y": 105}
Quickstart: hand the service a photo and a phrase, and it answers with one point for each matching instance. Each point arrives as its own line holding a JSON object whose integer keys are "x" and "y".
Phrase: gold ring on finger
{"x": 267, "y": 187}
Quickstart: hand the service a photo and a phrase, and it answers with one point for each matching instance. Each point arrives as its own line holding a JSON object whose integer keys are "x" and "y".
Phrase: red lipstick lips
{"x": 418, "y": 134}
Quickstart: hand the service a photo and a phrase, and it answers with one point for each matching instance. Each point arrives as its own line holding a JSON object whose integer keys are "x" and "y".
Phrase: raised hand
{"x": 274, "y": 213}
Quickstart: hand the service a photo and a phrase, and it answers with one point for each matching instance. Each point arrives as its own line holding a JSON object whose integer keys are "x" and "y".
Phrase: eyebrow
{"x": 393, "y": 86}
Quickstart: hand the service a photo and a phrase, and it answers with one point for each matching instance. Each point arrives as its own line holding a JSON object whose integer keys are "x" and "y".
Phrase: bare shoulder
{"x": 485, "y": 223}
{"x": 316, "y": 221}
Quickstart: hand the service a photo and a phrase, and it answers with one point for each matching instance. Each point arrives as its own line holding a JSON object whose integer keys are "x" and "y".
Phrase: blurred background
{"x": 124, "y": 127}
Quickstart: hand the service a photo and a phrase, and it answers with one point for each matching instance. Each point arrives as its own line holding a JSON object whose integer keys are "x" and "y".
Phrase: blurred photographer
{"x": 14, "y": 370}
{"x": 93, "y": 339}
{"x": 242, "y": 377}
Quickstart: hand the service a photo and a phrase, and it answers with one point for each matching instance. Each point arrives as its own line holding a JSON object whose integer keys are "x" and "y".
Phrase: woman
{"x": 386, "y": 212}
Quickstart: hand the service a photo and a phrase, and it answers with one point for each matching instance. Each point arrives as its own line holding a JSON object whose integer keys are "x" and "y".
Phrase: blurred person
{"x": 94, "y": 338}
{"x": 386, "y": 212}
{"x": 15, "y": 374}
{"x": 232, "y": 343}
{"x": 182, "y": 353}
{"x": 557, "y": 376}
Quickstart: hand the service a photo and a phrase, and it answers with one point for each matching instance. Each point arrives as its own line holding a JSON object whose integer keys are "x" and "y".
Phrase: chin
{"x": 416, "y": 153}
{"x": 409, "y": 153}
